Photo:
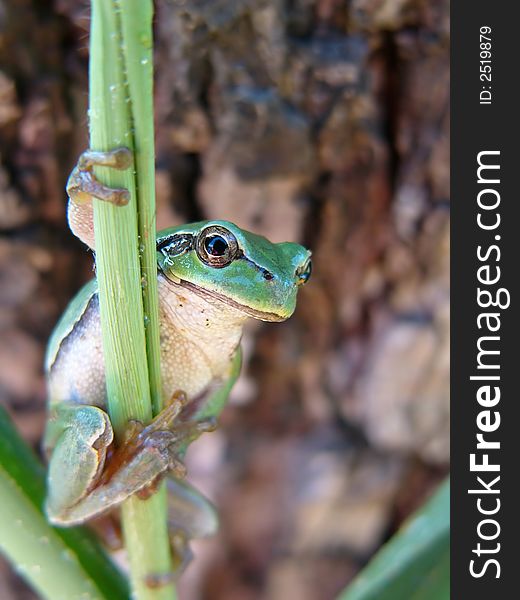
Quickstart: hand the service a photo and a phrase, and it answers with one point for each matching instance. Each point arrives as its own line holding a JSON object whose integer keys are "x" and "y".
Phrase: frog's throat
{"x": 252, "y": 312}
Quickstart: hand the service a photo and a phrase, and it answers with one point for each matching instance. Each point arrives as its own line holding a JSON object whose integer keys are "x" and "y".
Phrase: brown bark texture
{"x": 319, "y": 121}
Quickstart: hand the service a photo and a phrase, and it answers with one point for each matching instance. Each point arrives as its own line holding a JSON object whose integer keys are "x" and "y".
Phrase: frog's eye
{"x": 216, "y": 246}
{"x": 303, "y": 274}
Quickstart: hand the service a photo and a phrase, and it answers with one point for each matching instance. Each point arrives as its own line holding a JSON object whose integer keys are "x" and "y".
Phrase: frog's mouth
{"x": 252, "y": 312}
{"x": 209, "y": 296}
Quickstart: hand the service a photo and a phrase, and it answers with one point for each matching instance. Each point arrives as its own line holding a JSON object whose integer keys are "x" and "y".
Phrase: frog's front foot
{"x": 83, "y": 184}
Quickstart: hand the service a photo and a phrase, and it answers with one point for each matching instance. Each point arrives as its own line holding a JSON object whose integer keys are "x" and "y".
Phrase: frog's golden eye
{"x": 216, "y": 246}
{"x": 303, "y": 274}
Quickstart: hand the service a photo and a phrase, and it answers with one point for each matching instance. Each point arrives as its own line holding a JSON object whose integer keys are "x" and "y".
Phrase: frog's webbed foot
{"x": 82, "y": 185}
{"x": 164, "y": 430}
{"x": 190, "y": 516}
{"x": 135, "y": 467}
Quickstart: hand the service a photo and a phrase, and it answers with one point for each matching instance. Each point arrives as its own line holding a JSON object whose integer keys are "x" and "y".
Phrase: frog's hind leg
{"x": 78, "y": 436}
{"x": 85, "y": 480}
{"x": 82, "y": 185}
{"x": 87, "y": 477}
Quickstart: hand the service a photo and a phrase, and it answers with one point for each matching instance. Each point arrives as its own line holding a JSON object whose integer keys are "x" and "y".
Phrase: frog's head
{"x": 219, "y": 260}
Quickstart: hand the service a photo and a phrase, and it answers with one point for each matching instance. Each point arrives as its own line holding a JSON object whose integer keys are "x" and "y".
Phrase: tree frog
{"x": 212, "y": 276}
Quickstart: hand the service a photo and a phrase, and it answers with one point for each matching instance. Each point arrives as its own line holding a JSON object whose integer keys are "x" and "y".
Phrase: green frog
{"x": 212, "y": 277}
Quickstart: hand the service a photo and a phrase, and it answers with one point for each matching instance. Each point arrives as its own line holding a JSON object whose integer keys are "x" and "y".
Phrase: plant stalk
{"x": 121, "y": 115}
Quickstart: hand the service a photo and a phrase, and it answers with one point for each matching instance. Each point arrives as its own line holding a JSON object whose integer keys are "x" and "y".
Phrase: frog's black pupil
{"x": 216, "y": 245}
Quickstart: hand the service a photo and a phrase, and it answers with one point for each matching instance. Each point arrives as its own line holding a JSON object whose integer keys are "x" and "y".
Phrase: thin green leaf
{"x": 415, "y": 563}
{"x": 59, "y": 563}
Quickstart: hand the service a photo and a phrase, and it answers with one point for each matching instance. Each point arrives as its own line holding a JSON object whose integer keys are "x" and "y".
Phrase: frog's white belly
{"x": 198, "y": 341}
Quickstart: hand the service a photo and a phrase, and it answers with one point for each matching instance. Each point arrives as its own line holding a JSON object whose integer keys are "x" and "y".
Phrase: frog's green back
{"x": 68, "y": 320}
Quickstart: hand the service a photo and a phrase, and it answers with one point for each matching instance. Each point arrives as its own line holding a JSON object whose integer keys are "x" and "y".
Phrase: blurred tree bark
{"x": 322, "y": 121}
